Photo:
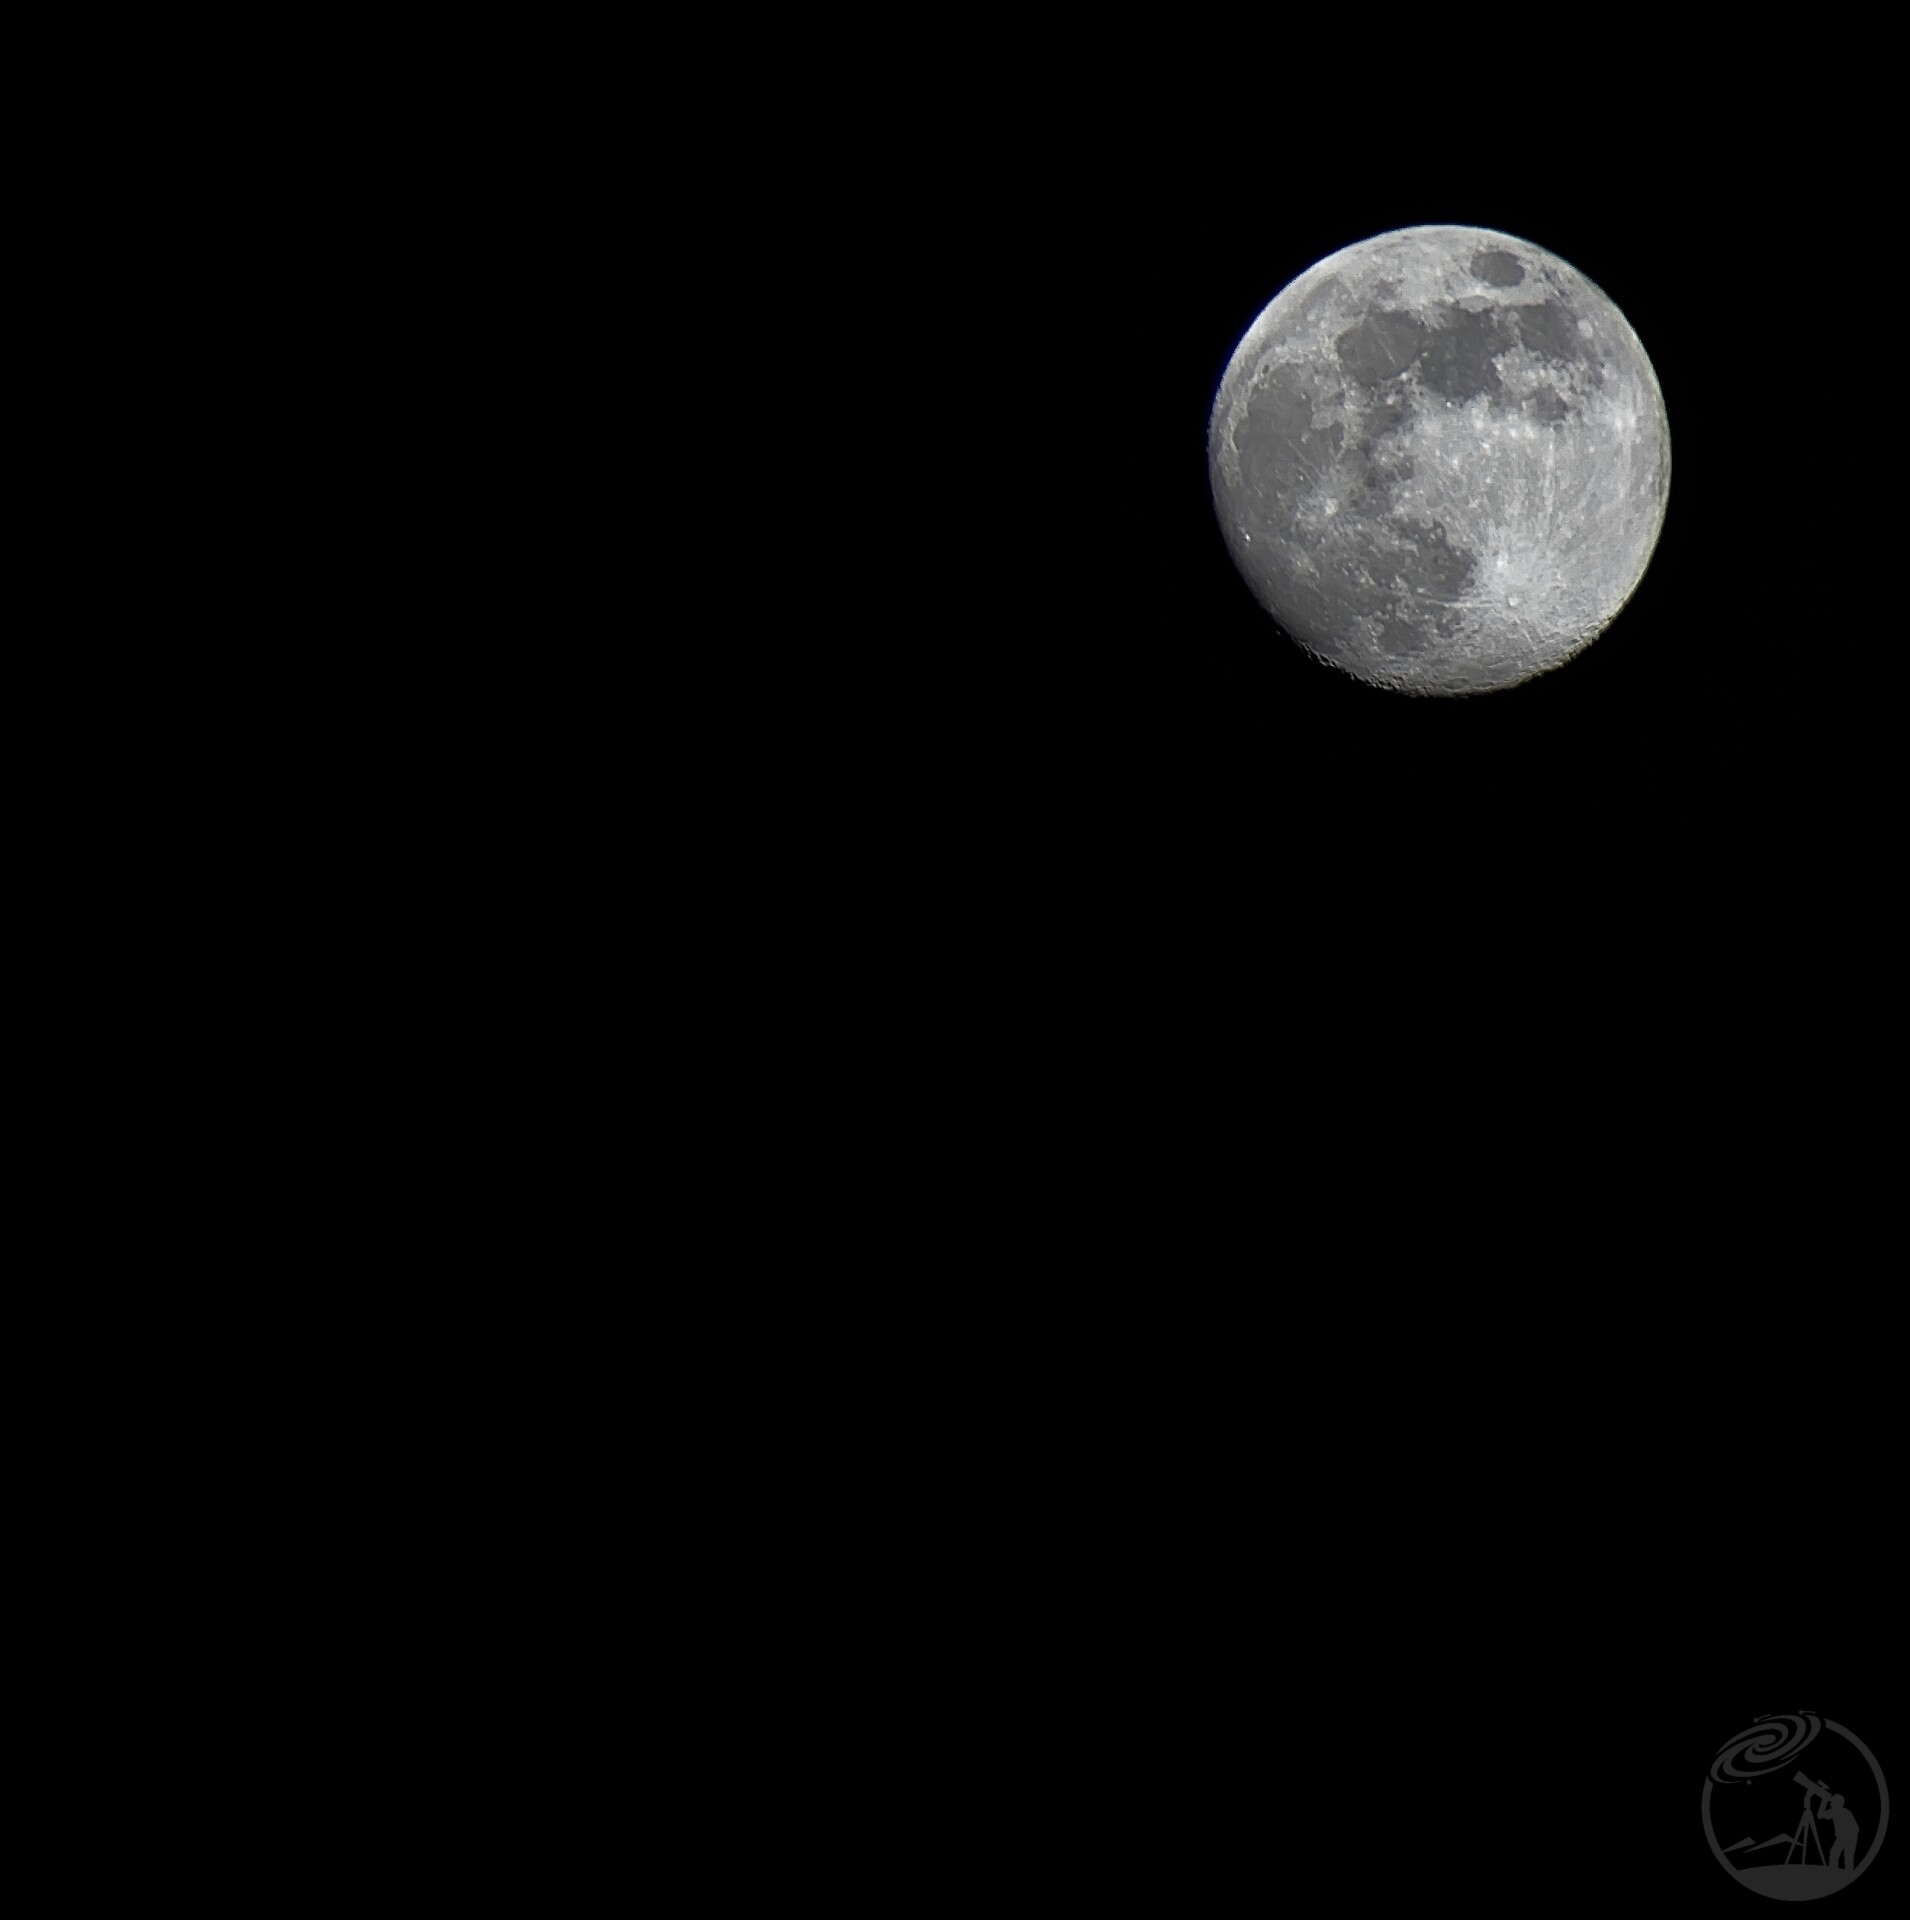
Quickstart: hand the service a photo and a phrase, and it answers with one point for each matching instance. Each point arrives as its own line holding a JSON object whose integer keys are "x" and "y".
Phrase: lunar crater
{"x": 1497, "y": 267}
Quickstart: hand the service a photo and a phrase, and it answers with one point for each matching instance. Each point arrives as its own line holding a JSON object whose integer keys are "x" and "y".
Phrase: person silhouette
{"x": 1841, "y": 1817}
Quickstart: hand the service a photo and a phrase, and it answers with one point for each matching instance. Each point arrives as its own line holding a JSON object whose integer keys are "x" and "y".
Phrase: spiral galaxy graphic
{"x": 1776, "y": 1739}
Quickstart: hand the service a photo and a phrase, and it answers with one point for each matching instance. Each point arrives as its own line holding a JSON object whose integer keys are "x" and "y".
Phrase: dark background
{"x": 1732, "y": 729}
{"x": 1668, "y": 862}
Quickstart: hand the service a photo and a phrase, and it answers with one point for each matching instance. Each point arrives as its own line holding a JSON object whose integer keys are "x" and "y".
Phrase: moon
{"x": 1440, "y": 460}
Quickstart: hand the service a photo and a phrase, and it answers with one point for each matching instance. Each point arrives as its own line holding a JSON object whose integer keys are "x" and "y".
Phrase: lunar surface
{"x": 1440, "y": 460}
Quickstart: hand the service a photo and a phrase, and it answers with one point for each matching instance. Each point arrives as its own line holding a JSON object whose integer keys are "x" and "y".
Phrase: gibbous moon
{"x": 1440, "y": 460}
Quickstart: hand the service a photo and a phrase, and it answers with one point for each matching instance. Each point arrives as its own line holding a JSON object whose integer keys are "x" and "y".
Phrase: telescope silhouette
{"x": 1806, "y": 1825}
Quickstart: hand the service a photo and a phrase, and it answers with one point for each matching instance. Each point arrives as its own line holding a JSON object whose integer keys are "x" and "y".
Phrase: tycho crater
{"x": 1440, "y": 459}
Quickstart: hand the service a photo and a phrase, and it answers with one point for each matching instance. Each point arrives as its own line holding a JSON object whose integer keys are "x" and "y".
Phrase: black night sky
{"x": 1689, "y": 830}
{"x": 1732, "y": 736}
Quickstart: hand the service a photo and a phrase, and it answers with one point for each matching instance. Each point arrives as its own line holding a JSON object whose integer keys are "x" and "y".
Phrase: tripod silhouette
{"x": 1807, "y": 1826}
